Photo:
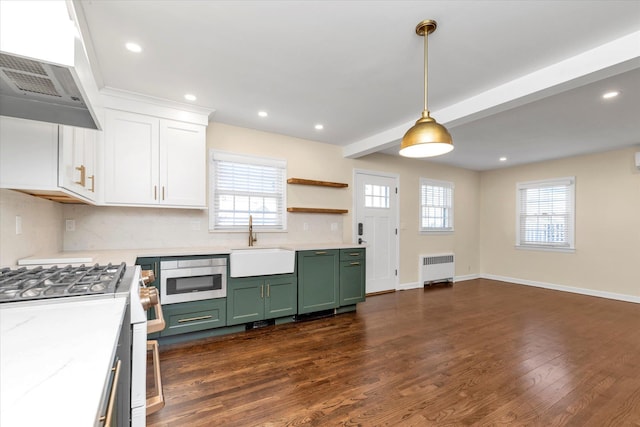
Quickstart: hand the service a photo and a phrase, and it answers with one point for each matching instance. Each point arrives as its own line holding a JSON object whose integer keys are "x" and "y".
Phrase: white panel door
{"x": 376, "y": 214}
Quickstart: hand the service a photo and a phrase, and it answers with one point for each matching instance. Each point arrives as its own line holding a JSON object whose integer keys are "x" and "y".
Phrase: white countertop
{"x": 54, "y": 360}
{"x": 129, "y": 256}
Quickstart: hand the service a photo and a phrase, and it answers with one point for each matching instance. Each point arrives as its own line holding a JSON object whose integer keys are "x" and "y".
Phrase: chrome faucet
{"x": 252, "y": 237}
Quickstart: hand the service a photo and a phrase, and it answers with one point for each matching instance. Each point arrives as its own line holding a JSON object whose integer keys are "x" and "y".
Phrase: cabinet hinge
{"x": 396, "y": 190}
{"x": 396, "y": 272}
{"x": 396, "y": 231}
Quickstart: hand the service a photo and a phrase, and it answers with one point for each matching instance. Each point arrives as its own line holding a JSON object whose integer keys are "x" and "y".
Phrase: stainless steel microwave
{"x": 191, "y": 279}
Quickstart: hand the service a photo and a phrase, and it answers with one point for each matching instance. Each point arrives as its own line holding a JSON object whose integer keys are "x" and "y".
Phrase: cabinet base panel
{"x": 346, "y": 309}
{"x": 259, "y": 324}
{"x": 315, "y": 315}
{"x": 283, "y": 320}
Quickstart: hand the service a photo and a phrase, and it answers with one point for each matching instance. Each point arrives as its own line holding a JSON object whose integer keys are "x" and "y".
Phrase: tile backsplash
{"x": 98, "y": 228}
{"x": 44, "y": 228}
{"x": 41, "y": 223}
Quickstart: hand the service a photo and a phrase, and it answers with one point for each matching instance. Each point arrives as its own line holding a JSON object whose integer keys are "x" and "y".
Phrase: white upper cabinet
{"x": 48, "y": 160}
{"x": 183, "y": 163}
{"x": 151, "y": 161}
{"x": 78, "y": 161}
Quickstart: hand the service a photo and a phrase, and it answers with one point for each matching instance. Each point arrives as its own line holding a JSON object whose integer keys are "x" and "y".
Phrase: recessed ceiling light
{"x": 133, "y": 47}
{"x": 263, "y": 113}
{"x": 319, "y": 126}
{"x": 611, "y": 94}
{"x": 190, "y": 97}
{"x": 503, "y": 159}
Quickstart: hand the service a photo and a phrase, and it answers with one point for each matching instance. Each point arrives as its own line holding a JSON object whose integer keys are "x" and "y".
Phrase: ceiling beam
{"x": 604, "y": 61}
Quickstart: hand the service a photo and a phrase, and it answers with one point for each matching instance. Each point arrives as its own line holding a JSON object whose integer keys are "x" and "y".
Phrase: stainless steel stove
{"x": 55, "y": 282}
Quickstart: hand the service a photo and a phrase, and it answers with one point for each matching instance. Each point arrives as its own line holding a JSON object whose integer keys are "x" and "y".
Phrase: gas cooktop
{"x": 54, "y": 282}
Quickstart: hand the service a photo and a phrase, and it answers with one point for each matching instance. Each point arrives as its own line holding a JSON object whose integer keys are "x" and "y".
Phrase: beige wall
{"x": 41, "y": 226}
{"x": 312, "y": 160}
{"x": 607, "y": 234}
{"x": 607, "y": 220}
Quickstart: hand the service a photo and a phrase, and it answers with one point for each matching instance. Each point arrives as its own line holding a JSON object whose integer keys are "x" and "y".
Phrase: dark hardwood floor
{"x": 480, "y": 352}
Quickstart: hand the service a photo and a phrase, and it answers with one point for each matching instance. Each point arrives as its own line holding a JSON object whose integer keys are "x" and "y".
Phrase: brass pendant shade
{"x": 427, "y": 138}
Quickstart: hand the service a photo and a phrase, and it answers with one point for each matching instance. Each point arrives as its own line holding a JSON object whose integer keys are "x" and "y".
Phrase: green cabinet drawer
{"x": 194, "y": 316}
{"x": 318, "y": 280}
{"x": 351, "y": 254}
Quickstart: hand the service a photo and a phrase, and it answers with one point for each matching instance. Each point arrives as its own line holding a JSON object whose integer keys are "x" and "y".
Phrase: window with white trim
{"x": 546, "y": 214}
{"x": 436, "y": 205}
{"x": 243, "y": 185}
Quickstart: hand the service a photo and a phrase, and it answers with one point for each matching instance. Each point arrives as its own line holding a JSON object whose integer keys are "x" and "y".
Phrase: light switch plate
{"x": 70, "y": 225}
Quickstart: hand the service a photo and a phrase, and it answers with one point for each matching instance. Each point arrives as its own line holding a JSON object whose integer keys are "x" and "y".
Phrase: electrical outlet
{"x": 305, "y": 226}
{"x": 334, "y": 226}
{"x": 18, "y": 224}
{"x": 70, "y": 225}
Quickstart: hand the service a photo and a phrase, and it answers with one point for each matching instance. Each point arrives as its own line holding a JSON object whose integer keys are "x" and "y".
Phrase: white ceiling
{"x": 521, "y": 79}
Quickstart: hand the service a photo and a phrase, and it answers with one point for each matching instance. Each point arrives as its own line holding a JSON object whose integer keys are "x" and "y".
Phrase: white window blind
{"x": 246, "y": 185}
{"x": 436, "y": 205}
{"x": 545, "y": 214}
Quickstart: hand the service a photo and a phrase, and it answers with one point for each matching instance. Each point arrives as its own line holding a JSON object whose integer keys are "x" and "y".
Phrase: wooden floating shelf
{"x": 318, "y": 210}
{"x": 301, "y": 181}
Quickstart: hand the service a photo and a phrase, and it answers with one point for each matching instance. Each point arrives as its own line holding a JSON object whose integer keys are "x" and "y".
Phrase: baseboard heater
{"x": 436, "y": 268}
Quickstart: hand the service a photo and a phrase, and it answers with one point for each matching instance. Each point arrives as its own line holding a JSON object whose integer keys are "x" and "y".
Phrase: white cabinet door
{"x": 78, "y": 160}
{"x": 153, "y": 161}
{"x": 28, "y": 154}
{"x": 182, "y": 164}
{"x": 131, "y": 158}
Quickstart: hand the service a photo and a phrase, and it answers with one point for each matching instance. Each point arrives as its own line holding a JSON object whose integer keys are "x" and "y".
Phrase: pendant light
{"x": 427, "y": 138}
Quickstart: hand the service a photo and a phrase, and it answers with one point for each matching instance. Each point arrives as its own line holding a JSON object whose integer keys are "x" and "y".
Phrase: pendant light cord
{"x": 426, "y": 68}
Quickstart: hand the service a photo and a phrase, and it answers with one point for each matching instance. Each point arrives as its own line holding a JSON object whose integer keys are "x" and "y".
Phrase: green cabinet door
{"x": 280, "y": 298}
{"x": 318, "y": 280}
{"x": 352, "y": 276}
{"x": 245, "y": 300}
{"x": 257, "y": 298}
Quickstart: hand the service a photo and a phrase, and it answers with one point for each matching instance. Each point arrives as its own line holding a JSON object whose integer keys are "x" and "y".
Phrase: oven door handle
{"x": 106, "y": 419}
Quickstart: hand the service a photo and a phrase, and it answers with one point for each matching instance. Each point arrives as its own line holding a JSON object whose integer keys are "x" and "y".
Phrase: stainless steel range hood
{"x": 44, "y": 69}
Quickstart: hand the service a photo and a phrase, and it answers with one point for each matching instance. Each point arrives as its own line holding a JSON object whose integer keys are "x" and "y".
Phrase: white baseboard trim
{"x": 465, "y": 277}
{"x": 407, "y": 286}
{"x": 583, "y": 291}
{"x": 416, "y": 285}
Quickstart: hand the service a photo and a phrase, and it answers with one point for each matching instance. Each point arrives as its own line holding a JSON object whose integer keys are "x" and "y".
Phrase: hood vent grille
{"x": 33, "y": 84}
{"x": 21, "y": 64}
{"x": 38, "y": 90}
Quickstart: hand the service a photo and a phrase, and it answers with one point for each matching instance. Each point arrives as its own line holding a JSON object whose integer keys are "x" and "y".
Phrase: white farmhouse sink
{"x": 261, "y": 261}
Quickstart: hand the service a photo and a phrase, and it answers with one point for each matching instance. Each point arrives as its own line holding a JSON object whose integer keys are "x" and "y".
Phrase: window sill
{"x": 545, "y": 249}
{"x": 447, "y": 231}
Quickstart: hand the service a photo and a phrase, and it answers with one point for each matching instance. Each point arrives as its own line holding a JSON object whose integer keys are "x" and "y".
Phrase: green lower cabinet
{"x": 318, "y": 280}
{"x": 194, "y": 316}
{"x": 258, "y": 298}
{"x": 352, "y": 276}
{"x": 281, "y": 297}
